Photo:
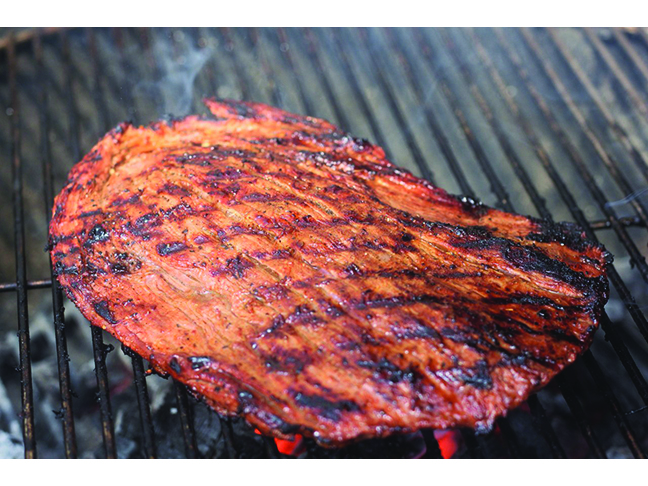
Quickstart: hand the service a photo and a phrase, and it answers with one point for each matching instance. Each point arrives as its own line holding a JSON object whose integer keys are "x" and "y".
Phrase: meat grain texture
{"x": 288, "y": 273}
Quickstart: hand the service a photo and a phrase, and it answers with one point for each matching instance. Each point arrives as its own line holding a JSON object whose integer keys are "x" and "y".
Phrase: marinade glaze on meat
{"x": 288, "y": 273}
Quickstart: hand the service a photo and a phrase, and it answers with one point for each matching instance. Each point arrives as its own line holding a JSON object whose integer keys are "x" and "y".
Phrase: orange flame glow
{"x": 287, "y": 446}
{"x": 447, "y": 440}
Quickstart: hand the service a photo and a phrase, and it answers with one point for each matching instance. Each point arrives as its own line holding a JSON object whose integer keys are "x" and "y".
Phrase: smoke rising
{"x": 627, "y": 199}
{"x": 173, "y": 89}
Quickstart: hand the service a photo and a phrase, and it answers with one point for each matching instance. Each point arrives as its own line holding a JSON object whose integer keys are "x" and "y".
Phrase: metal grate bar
{"x": 511, "y": 442}
{"x": 638, "y": 62}
{"x": 255, "y": 46}
{"x": 100, "y": 350}
{"x": 620, "y": 417}
{"x": 612, "y": 65}
{"x": 385, "y": 88}
{"x": 625, "y": 221}
{"x": 26, "y": 386}
{"x": 228, "y": 436}
{"x": 473, "y": 446}
{"x": 567, "y": 389}
{"x": 543, "y": 424}
{"x": 604, "y": 155}
{"x": 271, "y": 449}
{"x": 314, "y": 57}
{"x": 148, "y": 435}
{"x": 305, "y": 100}
{"x": 186, "y": 421}
{"x": 358, "y": 93}
{"x": 69, "y": 437}
{"x": 545, "y": 160}
{"x": 30, "y": 284}
{"x": 499, "y": 131}
{"x": 609, "y": 119}
{"x": 238, "y": 70}
{"x": 504, "y": 200}
{"x": 433, "y": 123}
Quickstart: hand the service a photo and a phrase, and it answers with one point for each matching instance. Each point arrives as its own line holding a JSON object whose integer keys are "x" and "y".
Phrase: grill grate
{"x": 542, "y": 121}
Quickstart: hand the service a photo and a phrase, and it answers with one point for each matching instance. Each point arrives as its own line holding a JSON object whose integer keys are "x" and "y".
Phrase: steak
{"x": 286, "y": 272}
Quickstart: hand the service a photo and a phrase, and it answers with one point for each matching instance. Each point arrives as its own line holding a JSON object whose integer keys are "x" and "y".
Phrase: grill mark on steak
{"x": 302, "y": 281}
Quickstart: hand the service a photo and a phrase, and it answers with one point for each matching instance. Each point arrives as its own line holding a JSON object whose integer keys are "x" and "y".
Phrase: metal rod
{"x": 433, "y": 123}
{"x": 358, "y": 92}
{"x": 287, "y": 55}
{"x": 500, "y": 132}
{"x": 592, "y": 93}
{"x": 385, "y": 87}
{"x": 228, "y": 437}
{"x": 99, "y": 348}
{"x": 543, "y": 425}
{"x": 146, "y": 422}
{"x": 620, "y": 417}
{"x": 567, "y": 389}
{"x": 611, "y": 64}
{"x": 26, "y": 36}
{"x": 625, "y": 221}
{"x": 257, "y": 47}
{"x": 511, "y": 443}
{"x": 67, "y": 416}
{"x": 503, "y": 199}
{"x": 186, "y": 421}
{"x": 100, "y": 351}
{"x": 29, "y": 285}
{"x": 639, "y": 62}
{"x": 473, "y": 446}
{"x": 432, "y": 449}
{"x": 583, "y": 121}
{"x": 26, "y": 386}
{"x": 238, "y": 69}
{"x": 270, "y": 446}
{"x": 314, "y": 57}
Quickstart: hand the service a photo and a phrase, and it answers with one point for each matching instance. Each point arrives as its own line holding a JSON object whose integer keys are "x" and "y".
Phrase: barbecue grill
{"x": 545, "y": 122}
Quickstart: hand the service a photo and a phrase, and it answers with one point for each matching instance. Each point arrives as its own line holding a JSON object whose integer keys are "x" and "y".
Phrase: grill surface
{"x": 550, "y": 123}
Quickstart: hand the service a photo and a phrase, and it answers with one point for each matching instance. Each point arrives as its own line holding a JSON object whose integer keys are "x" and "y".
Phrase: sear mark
{"x": 236, "y": 266}
{"x": 97, "y": 234}
{"x": 327, "y": 408}
{"x": 102, "y": 309}
{"x": 165, "y": 249}
{"x": 477, "y": 376}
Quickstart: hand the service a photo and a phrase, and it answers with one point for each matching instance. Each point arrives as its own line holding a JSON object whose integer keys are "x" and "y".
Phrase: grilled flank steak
{"x": 288, "y": 273}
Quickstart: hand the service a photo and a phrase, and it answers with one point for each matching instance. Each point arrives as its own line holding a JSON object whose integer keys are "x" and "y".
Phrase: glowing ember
{"x": 289, "y": 447}
{"x": 448, "y": 443}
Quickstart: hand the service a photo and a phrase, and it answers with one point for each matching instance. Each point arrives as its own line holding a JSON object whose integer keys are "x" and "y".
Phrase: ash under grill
{"x": 550, "y": 123}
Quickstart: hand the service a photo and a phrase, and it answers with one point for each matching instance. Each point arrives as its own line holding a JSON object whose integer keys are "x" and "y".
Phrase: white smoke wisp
{"x": 173, "y": 90}
{"x": 627, "y": 199}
